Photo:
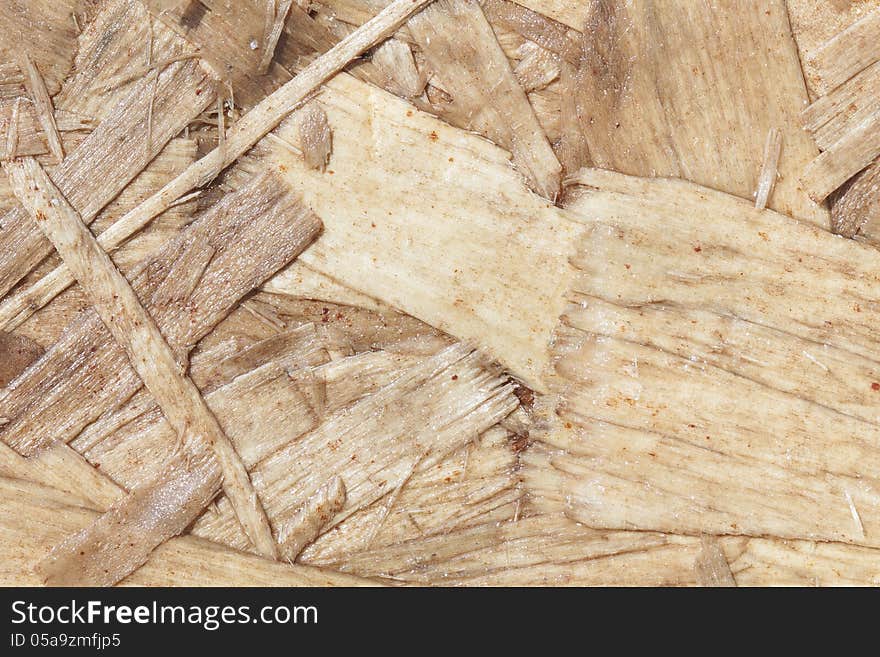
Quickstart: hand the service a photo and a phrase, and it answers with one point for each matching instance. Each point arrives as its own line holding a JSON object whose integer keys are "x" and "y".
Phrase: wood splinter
{"x": 43, "y": 105}
{"x": 711, "y": 565}
{"x": 12, "y": 130}
{"x": 315, "y": 137}
{"x": 274, "y": 33}
{"x": 310, "y": 521}
{"x": 769, "y": 168}
{"x": 134, "y": 329}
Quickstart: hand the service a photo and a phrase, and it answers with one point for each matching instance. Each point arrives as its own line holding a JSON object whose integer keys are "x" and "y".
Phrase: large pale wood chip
{"x": 659, "y": 77}
{"x": 109, "y": 158}
{"x": 715, "y": 376}
{"x": 33, "y": 518}
{"x": 136, "y": 332}
{"x": 393, "y": 184}
{"x": 462, "y": 50}
{"x": 249, "y": 235}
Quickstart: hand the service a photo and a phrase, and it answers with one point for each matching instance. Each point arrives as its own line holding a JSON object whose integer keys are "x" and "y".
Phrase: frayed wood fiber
{"x": 677, "y": 331}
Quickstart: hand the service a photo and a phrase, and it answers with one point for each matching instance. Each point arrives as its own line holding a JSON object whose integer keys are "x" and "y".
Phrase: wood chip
{"x": 121, "y": 540}
{"x": 449, "y": 398}
{"x": 537, "y": 68}
{"x": 109, "y": 158}
{"x": 33, "y": 518}
{"x": 43, "y": 105}
{"x": 711, "y": 565}
{"x": 477, "y": 483}
{"x": 731, "y": 74}
{"x": 27, "y": 300}
{"x": 16, "y": 353}
{"x": 395, "y": 60}
{"x": 855, "y": 209}
{"x": 277, "y": 25}
{"x": 254, "y": 232}
{"x": 44, "y": 30}
{"x": 61, "y": 467}
{"x": 854, "y": 49}
{"x": 538, "y": 28}
{"x": 507, "y": 305}
{"x": 12, "y": 130}
{"x": 837, "y": 164}
{"x": 310, "y": 520}
{"x": 486, "y": 96}
{"x": 243, "y": 134}
{"x": 315, "y": 138}
{"x": 767, "y": 177}
{"x": 845, "y": 124}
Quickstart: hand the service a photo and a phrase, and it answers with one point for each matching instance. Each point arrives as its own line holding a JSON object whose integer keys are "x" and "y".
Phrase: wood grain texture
{"x": 714, "y": 376}
{"x": 373, "y": 445}
{"x": 396, "y": 210}
{"x": 133, "y": 329}
{"x": 814, "y": 23}
{"x": 95, "y": 172}
{"x": 230, "y": 250}
{"x": 22, "y": 307}
{"x": 690, "y": 90}
{"x": 45, "y": 30}
{"x": 33, "y": 518}
{"x": 462, "y": 50}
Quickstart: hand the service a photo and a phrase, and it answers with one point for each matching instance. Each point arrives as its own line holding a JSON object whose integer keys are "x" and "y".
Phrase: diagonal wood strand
{"x": 135, "y": 330}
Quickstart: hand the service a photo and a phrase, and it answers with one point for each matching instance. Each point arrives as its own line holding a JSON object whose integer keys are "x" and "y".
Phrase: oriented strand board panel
{"x": 412, "y": 206}
{"x": 690, "y": 90}
{"x": 717, "y": 370}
